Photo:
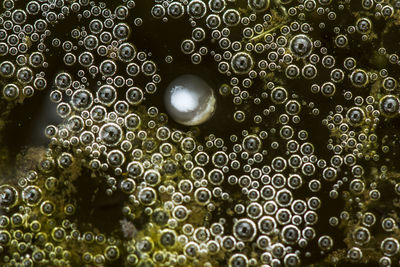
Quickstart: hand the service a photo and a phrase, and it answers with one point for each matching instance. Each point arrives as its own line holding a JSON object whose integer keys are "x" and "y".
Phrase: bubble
{"x": 292, "y": 72}
{"x": 309, "y": 71}
{"x": 198, "y": 35}
{"x": 39, "y": 83}
{"x": 385, "y": 261}
{"x": 160, "y": 217}
{"x": 121, "y": 31}
{"x": 387, "y": 11}
{"x": 8, "y": 196}
{"x": 390, "y": 246}
{"x": 115, "y": 158}
{"x": 65, "y": 160}
{"x": 81, "y": 99}
{"x": 251, "y": 143}
{"x": 213, "y": 21}
{"x": 91, "y": 42}
{"x": 175, "y": 10}
{"x": 108, "y": 68}
{"x": 111, "y": 253}
{"x": 295, "y": 181}
{"x": 355, "y": 116}
{"x": 202, "y": 196}
{"x": 32, "y": 195}
{"x": 290, "y": 234}
{"x": 363, "y": 25}
{"x": 63, "y": 81}
{"x": 10, "y": 92}
{"x": 389, "y": 105}
{"x": 279, "y": 95}
{"x": 283, "y": 216}
{"x": 105, "y": 37}
{"x": 152, "y": 177}
{"x": 284, "y": 197}
{"x": 337, "y": 75}
{"x": 216, "y": 6}
{"x": 75, "y": 124}
{"x": 196, "y": 9}
{"x": 328, "y": 89}
{"x": 147, "y": 196}
{"x": 301, "y": 45}
{"x": 3, "y": 49}
{"x": 311, "y": 218}
{"x": 187, "y": 46}
{"x": 148, "y": 68}
{"x": 98, "y": 113}
{"x": 258, "y": 5}
{"x": 119, "y": 81}
{"x": 33, "y": 8}
{"x": 25, "y": 75}
{"x": 216, "y": 177}
{"x": 359, "y": 78}
{"x": 388, "y": 224}
{"x": 5, "y": 237}
{"x": 241, "y": 63}
{"x": 231, "y": 17}
{"x": 357, "y": 186}
{"x": 292, "y": 259}
{"x": 244, "y": 229}
{"x": 7, "y": 69}
{"x": 189, "y": 100}
{"x": 361, "y": 236}
{"x": 110, "y": 134}
{"x": 180, "y": 213}
{"x": 96, "y": 26}
{"x": 126, "y": 52}
{"x": 158, "y": 11}
{"x": 121, "y": 12}
{"x": 121, "y": 108}
{"x": 69, "y": 59}
{"x": 40, "y": 25}
{"x": 341, "y": 41}
{"x": 167, "y": 238}
{"x": 238, "y": 260}
{"x": 298, "y": 207}
{"x": 106, "y": 94}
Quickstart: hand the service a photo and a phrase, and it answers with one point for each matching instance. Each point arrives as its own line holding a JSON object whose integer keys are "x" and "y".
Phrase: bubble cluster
{"x": 203, "y": 133}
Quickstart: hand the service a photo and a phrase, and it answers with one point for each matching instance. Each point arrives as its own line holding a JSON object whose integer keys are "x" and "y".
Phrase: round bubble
{"x": 189, "y": 100}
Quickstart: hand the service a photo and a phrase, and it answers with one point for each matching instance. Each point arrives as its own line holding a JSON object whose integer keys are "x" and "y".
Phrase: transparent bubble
{"x": 241, "y": 63}
{"x": 244, "y": 229}
{"x": 175, "y": 10}
{"x": 231, "y": 17}
{"x": 196, "y": 9}
{"x": 189, "y": 100}
{"x": 106, "y": 94}
{"x": 110, "y": 134}
{"x": 121, "y": 31}
{"x": 126, "y": 52}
